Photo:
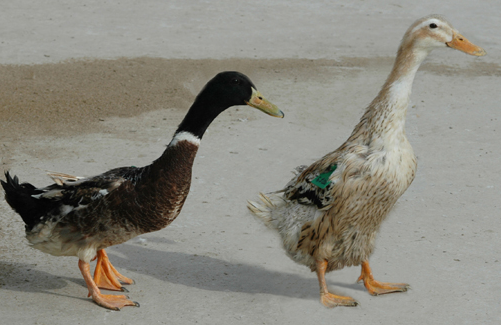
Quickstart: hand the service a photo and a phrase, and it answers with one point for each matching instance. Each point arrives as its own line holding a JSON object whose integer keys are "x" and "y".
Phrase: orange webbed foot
{"x": 112, "y": 301}
{"x": 107, "y": 301}
{"x": 379, "y": 288}
{"x": 330, "y": 300}
{"x": 106, "y": 276}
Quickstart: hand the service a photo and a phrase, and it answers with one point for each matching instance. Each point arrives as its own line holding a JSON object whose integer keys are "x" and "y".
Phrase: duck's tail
{"x": 287, "y": 218}
{"x": 20, "y": 198}
{"x": 264, "y": 210}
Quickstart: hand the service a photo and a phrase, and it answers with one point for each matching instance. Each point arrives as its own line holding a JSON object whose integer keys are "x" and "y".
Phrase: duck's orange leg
{"x": 107, "y": 301}
{"x": 106, "y": 276}
{"x": 328, "y": 299}
{"x": 378, "y": 288}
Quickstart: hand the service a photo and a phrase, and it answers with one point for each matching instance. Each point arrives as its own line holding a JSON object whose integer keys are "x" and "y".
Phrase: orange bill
{"x": 459, "y": 42}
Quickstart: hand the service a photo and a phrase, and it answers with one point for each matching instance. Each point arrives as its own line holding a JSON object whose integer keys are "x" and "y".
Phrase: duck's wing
{"x": 320, "y": 183}
{"x": 324, "y": 184}
{"x": 79, "y": 191}
{"x": 61, "y": 178}
{"x": 313, "y": 185}
{"x": 67, "y": 194}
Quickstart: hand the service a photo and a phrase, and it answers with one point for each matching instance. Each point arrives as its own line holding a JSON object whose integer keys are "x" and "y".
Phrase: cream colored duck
{"x": 330, "y": 212}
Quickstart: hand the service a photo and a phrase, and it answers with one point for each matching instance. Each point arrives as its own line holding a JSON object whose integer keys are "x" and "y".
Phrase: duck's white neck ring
{"x": 184, "y": 136}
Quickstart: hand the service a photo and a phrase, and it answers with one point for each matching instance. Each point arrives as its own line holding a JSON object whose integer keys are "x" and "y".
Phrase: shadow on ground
{"x": 203, "y": 272}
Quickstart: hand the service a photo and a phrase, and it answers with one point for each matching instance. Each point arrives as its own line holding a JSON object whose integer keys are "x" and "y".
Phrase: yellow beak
{"x": 258, "y": 101}
{"x": 459, "y": 42}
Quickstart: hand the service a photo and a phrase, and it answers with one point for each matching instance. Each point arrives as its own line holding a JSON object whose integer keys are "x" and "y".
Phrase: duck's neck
{"x": 181, "y": 151}
{"x": 388, "y": 110}
{"x": 199, "y": 117}
{"x": 190, "y": 132}
{"x": 186, "y": 139}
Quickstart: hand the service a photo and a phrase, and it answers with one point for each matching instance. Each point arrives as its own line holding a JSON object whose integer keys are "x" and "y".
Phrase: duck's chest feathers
{"x": 391, "y": 161}
{"x": 389, "y": 157}
{"x": 161, "y": 197}
{"x": 375, "y": 175}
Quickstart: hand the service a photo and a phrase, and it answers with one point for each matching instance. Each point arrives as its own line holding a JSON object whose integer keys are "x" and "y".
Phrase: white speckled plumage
{"x": 328, "y": 229}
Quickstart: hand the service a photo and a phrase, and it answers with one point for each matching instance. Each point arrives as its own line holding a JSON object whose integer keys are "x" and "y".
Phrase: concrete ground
{"x": 93, "y": 85}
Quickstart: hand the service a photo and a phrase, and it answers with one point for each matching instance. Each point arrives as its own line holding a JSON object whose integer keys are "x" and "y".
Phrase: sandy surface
{"x": 88, "y": 87}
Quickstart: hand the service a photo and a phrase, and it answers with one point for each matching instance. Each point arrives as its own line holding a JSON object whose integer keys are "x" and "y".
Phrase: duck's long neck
{"x": 388, "y": 110}
{"x": 199, "y": 117}
{"x": 190, "y": 132}
{"x": 186, "y": 139}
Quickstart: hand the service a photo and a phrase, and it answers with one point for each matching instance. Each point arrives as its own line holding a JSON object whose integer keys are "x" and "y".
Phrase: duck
{"x": 81, "y": 216}
{"x": 329, "y": 213}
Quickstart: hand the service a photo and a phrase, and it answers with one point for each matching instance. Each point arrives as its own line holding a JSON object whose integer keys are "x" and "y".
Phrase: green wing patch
{"x": 322, "y": 180}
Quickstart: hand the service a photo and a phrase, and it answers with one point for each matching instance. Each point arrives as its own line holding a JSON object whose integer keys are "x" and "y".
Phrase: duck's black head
{"x": 226, "y": 89}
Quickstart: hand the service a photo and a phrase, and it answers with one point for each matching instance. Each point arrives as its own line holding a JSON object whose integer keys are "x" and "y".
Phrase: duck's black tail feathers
{"x": 20, "y": 198}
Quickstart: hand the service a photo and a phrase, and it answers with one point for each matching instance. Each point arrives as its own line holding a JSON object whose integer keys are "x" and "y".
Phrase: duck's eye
{"x": 433, "y": 25}
{"x": 235, "y": 81}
